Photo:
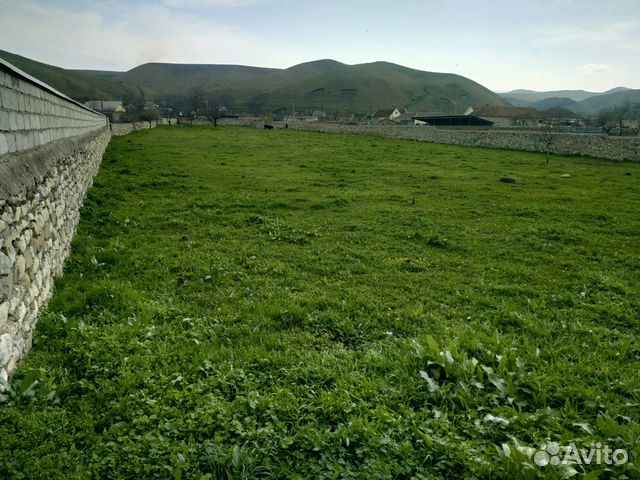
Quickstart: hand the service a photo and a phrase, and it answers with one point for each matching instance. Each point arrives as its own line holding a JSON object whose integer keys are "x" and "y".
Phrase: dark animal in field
{"x": 268, "y": 127}
{"x": 507, "y": 180}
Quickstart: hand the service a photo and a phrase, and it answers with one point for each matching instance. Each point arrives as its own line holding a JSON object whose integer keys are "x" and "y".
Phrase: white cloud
{"x": 211, "y": 3}
{"x": 622, "y": 34}
{"x": 120, "y": 39}
{"x": 595, "y": 68}
{"x": 121, "y": 34}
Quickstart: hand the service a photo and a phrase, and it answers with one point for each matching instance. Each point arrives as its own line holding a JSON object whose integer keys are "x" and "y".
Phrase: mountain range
{"x": 322, "y": 84}
{"x": 319, "y": 85}
{"x": 579, "y": 101}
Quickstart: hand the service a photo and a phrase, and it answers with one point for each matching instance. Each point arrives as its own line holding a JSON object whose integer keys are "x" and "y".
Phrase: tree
{"x": 213, "y": 107}
{"x": 150, "y": 115}
{"x": 547, "y": 138}
{"x": 134, "y": 105}
{"x": 227, "y": 101}
{"x": 196, "y": 101}
{"x": 257, "y": 103}
{"x": 620, "y": 113}
{"x": 634, "y": 115}
{"x": 605, "y": 120}
{"x": 608, "y": 119}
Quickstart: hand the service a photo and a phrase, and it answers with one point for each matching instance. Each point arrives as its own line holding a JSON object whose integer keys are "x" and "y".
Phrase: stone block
{"x": 20, "y": 245}
{"x": 4, "y": 120}
{"x": 5, "y": 264}
{"x": 20, "y": 268}
{"x": 11, "y": 365}
{"x": 18, "y": 137}
{"x": 6, "y": 286}
{"x": 6, "y": 348}
{"x": 28, "y": 139}
{"x": 20, "y": 313}
{"x": 4, "y": 144}
{"x": 11, "y": 142}
{"x": 9, "y": 99}
{"x": 13, "y": 121}
{"x": 4, "y": 314}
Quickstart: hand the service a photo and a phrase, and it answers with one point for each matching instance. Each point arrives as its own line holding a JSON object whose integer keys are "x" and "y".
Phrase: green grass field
{"x": 243, "y": 303}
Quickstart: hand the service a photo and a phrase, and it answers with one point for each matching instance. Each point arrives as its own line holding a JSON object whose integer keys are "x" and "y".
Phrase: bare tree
{"x": 227, "y": 101}
{"x": 547, "y": 138}
{"x": 196, "y": 101}
{"x": 213, "y": 107}
{"x": 621, "y": 113}
{"x": 257, "y": 103}
{"x": 605, "y": 120}
{"x": 608, "y": 119}
{"x": 634, "y": 115}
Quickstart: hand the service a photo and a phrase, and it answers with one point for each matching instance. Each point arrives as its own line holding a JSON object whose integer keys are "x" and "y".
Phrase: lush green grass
{"x": 243, "y": 302}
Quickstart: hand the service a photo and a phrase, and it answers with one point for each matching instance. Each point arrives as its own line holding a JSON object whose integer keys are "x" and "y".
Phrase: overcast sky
{"x": 539, "y": 45}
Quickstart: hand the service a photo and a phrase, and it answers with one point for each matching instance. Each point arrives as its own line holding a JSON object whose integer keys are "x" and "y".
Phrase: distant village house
{"x": 105, "y": 106}
{"x": 388, "y": 114}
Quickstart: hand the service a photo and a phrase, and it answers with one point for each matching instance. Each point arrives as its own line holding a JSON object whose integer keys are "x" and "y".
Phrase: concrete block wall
{"x": 590, "y": 145}
{"x": 31, "y": 116}
{"x": 50, "y": 150}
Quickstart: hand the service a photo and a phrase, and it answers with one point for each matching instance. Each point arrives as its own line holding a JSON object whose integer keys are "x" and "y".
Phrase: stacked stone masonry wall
{"x": 119, "y": 129}
{"x": 590, "y": 145}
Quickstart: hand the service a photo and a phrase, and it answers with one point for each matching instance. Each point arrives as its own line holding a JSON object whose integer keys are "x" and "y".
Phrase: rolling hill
{"x": 557, "y": 102}
{"x": 322, "y": 84}
{"x": 608, "y": 101}
{"x": 529, "y": 97}
{"x": 578, "y": 101}
{"x": 80, "y": 85}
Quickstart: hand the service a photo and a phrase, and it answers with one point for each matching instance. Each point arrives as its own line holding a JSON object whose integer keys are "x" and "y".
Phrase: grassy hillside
{"x": 557, "y": 102}
{"x": 80, "y": 85}
{"x": 380, "y": 85}
{"x": 242, "y": 303}
{"x": 579, "y": 101}
{"x": 332, "y": 85}
{"x": 176, "y": 79}
{"x": 325, "y": 84}
{"x": 611, "y": 100}
{"x": 532, "y": 96}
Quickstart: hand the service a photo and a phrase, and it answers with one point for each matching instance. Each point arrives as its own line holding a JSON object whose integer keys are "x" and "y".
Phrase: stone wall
{"x": 591, "y": 145}
{"x": 119, "y": 129}
{"x": 232, "y": 122}
{"x": 50, "y": 150}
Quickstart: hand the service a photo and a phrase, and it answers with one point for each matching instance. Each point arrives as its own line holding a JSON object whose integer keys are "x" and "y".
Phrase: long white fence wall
{"x": 33, "y": 114}
{"x": 50, "y": 150}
